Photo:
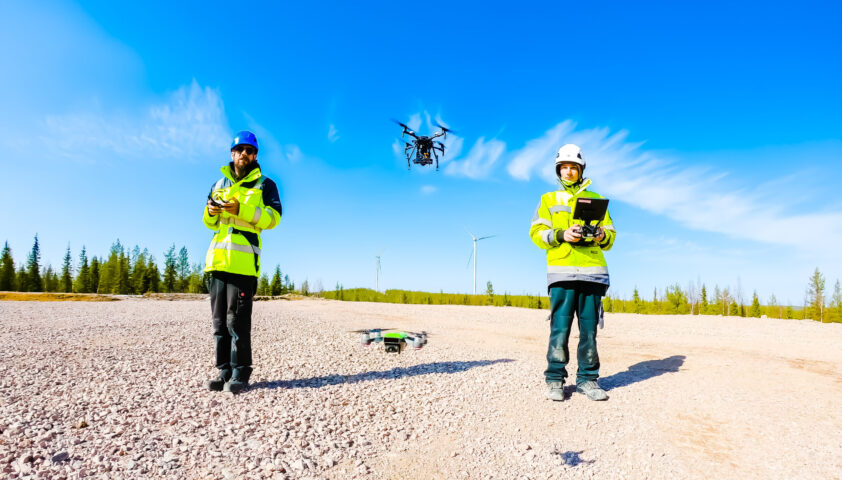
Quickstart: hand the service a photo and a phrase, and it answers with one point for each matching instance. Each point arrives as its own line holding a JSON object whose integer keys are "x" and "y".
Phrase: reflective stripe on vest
{"x": 569, "y": 269}
{"x": 237, "y": 222}
{"x": 272, "y": 220}
{"x": 559, "y": 208}
{"x": 235, "y": 247}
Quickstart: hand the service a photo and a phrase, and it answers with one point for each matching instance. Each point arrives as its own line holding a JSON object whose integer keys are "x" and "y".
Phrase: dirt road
{"x": 114, "y": 389}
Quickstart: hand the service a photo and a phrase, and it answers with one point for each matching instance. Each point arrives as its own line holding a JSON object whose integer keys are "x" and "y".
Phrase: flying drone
{"x": 423, "y": 148}
{"x": 393, "y": 341}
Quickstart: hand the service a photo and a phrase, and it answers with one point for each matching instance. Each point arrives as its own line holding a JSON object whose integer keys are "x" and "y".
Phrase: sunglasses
{"x": 247, "y": 149}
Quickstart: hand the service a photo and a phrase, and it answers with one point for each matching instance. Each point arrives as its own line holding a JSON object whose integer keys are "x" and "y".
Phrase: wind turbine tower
{"x": 377, "y": 273}
{"x": 474, "y": 255}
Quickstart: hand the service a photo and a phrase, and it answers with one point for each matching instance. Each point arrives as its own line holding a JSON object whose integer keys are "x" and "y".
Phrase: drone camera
{"x": 392, "y": 345}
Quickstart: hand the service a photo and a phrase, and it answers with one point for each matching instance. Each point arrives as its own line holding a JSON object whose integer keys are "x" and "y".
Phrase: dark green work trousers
{"x": 584, "y": 299}
{"x": 231, "y": 298}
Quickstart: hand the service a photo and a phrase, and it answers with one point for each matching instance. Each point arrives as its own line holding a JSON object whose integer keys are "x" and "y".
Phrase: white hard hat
{"x": 569, "y": 153}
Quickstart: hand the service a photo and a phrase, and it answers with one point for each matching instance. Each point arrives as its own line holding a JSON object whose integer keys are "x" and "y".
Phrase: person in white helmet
{"x": 577, "y": 275}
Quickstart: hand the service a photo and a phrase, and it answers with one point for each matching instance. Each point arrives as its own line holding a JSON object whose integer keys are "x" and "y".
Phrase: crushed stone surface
{"x": 114, "y": 390}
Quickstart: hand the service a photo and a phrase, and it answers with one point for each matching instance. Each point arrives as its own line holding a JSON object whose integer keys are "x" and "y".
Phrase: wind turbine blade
{"x": 488, "y": 236}
{"x": 469, "y": 233}
{"x": 469, "y": 258}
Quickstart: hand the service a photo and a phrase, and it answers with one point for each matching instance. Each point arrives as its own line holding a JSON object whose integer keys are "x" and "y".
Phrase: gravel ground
{"x": 113, "y": 390}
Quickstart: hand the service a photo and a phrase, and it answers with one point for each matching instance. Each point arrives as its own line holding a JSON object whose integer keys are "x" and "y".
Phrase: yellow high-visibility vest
{"x": 582, "y": 261}
{"x": 236, "y": 245}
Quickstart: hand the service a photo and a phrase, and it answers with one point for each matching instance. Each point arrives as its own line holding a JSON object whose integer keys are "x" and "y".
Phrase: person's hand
{"x": 232, "y": 207}
{"x": 213, "y": 210}
{"x": 600, "y": 234}
{"x": 571, "y": 235}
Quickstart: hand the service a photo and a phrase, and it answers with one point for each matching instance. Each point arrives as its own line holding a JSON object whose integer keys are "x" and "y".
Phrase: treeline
{"x": 673, "y": 300}
{"x": 136, "y": 272}
{"x": 699, "y": 301}
{"x": 122, "y": 271}
{"x": 441, "y": 298}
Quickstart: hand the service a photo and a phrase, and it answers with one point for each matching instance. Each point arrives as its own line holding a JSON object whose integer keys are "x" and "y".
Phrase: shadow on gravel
{"x": 572, "y": 459}
{"x": 395, "y": 373}
{"x": 642, "y": 371}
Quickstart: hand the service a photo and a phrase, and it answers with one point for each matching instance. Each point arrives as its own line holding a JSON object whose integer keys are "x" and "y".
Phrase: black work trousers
{"x": 231, "y": 297}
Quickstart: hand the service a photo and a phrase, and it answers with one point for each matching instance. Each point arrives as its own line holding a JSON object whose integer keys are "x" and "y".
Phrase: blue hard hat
{"x": 244, "y": 138}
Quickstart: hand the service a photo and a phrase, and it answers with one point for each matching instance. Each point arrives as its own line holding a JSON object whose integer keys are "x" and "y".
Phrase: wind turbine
{"x": 377, "y": 272}
{"x": 474, "y": 255}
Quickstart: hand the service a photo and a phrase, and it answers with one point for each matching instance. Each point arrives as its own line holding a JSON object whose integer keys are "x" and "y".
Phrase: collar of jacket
{"x": 576, "y": 187}
{"x": 253, "y": 173}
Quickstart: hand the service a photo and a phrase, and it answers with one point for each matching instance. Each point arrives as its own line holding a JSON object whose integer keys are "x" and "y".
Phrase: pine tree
{"x": 815, "y": 296}
{"x": 170, "y": 271}
{"x": 183, "y": 269}
{"x": 123, "y": 282}
{"x": 734, "y": 309}
{"x": 94, "y": 275}
{"x": 704, "y": 305}
{"x": 305, "y": 288}
{"x": 33, "y": 269}
{"x": 755, "y": 305}
{"x": 263, "y": 286}
{"x": 489, "y": 292}
{"x": 276, "y": 287}
{"x": 7, "y": 269}
{"x": 636, "y": 303}
{"x": 152, "y": 278}
{"x": 676, "y": 299}
{"x": 109, "y": 275}
{"x": 50, "y": 279}
{"x": 66, "y": 284}
{"x": 196, "y": 280}
{"x": 138, "y": 278}
{"x": 83, "y": 279}
{"x": 21, "y": 280}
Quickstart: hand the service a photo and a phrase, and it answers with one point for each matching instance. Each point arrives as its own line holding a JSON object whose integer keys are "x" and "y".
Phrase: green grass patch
{"x": 55, "y": 297}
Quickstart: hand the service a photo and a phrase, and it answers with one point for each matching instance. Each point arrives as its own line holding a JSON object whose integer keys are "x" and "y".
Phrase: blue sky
{"x": 713, "y": 127}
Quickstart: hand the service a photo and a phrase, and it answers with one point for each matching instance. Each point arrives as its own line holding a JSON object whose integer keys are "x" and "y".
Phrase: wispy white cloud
{"x": 271, "y": 148}
{"x": 694, "y": 196}
{"x": 190, "y": 124}
{"x": 479, "y": 161}
{"x": 428, "y": 189}
{"x": 332, "y": 134}
{"x": 536, "y": 155}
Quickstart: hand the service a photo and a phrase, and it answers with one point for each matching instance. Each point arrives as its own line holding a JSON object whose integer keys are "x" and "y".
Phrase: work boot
{"x": 216, "y": 384}
{"x": 592, "y": 390}
{"x": 235, "y": 386}
{"x": 555, "y": 391}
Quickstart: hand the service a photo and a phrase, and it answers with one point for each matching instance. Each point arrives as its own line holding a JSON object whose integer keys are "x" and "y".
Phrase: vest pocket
{"x": 559, "y": 252}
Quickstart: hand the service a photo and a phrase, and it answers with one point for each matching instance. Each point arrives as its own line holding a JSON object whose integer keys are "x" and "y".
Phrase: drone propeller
{"x": 444, "y": 129}
{"x": 369, "y": 330}
{"x": 406, "y": 129}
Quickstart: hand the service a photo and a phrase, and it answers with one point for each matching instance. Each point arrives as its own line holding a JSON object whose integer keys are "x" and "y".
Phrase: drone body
{"x": 422, "y": 149}
{"x": 393, "y": 341}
